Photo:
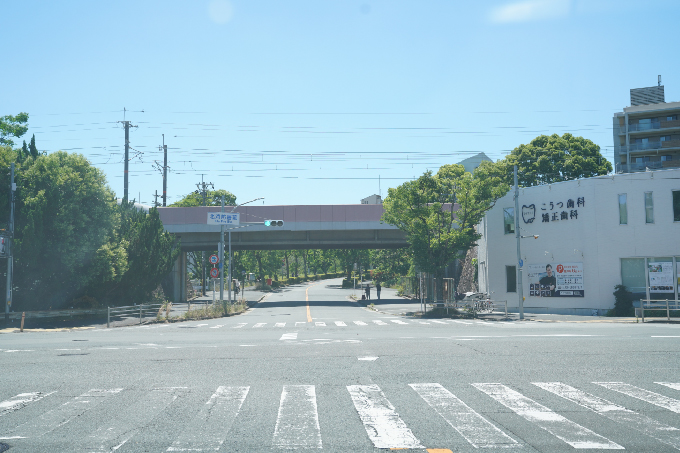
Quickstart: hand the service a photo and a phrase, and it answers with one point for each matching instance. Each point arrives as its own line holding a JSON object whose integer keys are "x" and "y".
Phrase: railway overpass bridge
{"x": 305, "y": 227}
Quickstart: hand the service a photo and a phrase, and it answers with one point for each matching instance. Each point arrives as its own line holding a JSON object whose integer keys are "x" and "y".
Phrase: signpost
{"x": 224, "y": 218}
{"x": 214, "y": 259}
{"x": 214, "y": 272}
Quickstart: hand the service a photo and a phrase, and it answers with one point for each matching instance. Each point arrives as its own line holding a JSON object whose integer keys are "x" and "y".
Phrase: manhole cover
{"x": 3, "y": 447}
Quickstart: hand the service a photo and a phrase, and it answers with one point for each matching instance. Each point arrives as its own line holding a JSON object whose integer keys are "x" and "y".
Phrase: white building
{"x": 595, "y": 233}
{"x": 473, "y": 162}
{"x": 373, "y": 199}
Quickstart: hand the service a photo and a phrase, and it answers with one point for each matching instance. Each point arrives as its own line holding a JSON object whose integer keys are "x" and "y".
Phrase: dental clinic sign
{"x": 553, "y": 211}
{"x": 223, "y": 218}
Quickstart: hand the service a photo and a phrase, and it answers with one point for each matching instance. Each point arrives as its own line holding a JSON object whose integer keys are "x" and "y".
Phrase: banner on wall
{"x": 661, "y": 277}
{"x": 555, "y": 280}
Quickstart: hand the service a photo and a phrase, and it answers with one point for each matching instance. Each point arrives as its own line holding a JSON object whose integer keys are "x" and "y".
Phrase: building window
{"x": 511, "y": 276}
{"x": 649, "y": 208}
{"x": 665, "y": 138}
{"x": 633, "y": 274}
{"x": 509, "y": 220}
{"x": 666, "y": 158}
{"x": 676, "y": 206}
{"x": 623, "y": 209}
{"x": 672, "y": 118}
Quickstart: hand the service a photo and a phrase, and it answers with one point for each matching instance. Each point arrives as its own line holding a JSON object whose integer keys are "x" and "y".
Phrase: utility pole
{"x": 203, "y": 189}
{"x": 10, "y": 237}
{"x": 220, "y": 255}
{"x": 127, "y": 126}
{"x": 155, "y": 200}
{"x": 165, "y": 172}
{"x": 520, "y": 291}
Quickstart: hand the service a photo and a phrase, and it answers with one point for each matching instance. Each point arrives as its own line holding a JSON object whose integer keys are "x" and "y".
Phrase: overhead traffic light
{"x": 273, "y": 223}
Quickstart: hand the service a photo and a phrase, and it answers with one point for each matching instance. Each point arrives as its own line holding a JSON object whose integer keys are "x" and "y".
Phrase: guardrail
{"x": 135, "y": 310}
{"x": 658, "y": 304}
{"x": 475, "y": 306}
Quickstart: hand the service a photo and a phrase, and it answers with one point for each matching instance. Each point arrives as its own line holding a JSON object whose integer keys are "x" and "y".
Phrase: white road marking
{"x": 661, "y": 432}
{"x": 19, "y": 350}
{"x": 645, "y": 395}
{"x": 297, "y": 425}
{"x": 280, "y": 324}
{"x": 360, "y": 323}
{"x": 438, "y": 322}
{"x": 289, "y": 336}
{"x": 368, "y": 359}
{"x": 21, "y": 400}
{"x": 340, "y": 324}
{"x": 320, "y": 324}
{"x": 217, "y": 326}
{"x": 572, "y": 433}
{"x": 398, "y": 321}
{"x": 665, "y": 336}
{"x": 119, "y": 428}
{"x": 379, "y": 322}
{"x": 246, "y": 345}
{"x": 473, "y": 427}
{"x": 259, "y": 324}
{"x": 201, "y": 325}
{"x": 462, "y": 322}
{"x": 209, "y": 428}
{"x": 382, "y": 423}
{"x": 67, "y": 349}
{"x": 63, "y": 414}
{"x": 672, "y": 385}
{"x": 300, "y": 322}
{"x": 239, "y": 325}
{"x": 423, "y": 322}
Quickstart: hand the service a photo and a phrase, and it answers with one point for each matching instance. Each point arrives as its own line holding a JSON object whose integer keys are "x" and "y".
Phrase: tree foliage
{"x": 12, "y": 126}
{"x": 439, "y": 213}
{"x": 549, "y": 159}
{"x": 390, "y": 264}
{"x": 213, "y": 198}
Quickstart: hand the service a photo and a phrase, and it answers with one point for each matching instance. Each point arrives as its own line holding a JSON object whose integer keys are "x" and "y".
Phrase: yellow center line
{"x": 309, "y": 315}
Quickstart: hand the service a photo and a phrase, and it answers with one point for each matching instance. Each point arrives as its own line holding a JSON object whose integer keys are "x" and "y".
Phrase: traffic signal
{"x": 273, "y": 223}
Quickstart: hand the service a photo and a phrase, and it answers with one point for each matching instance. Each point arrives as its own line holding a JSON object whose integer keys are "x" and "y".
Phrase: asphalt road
{"x": 310, "y": 369}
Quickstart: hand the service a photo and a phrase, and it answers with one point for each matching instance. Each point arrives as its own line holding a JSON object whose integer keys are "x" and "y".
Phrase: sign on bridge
{"x": 223, "y": 218}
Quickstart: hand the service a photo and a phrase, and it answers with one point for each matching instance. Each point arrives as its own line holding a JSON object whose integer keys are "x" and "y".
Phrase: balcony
{"x": 668, "y": 144}
{"x": 659, "y": 125}
{"x": 644, "y": 166}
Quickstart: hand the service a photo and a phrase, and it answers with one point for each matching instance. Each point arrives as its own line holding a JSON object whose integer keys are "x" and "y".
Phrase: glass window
{"x": 666, "y": 158}
{"x": 623, "y": 209}
{"x": 665, "y": 138}
{"x": 509, "y": 220}
{"x": 676, "y": 205}
{"x": 649, "y": 207}
{"x": 511, "y": 277}
{"x": 633, "y": 274}
{"x": 672, "y": 118}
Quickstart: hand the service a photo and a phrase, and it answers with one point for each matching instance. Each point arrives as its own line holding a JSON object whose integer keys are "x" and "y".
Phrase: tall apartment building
{"x": 647, "y": 134}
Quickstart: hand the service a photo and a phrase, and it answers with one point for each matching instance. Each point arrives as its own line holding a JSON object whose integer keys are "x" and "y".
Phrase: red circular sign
{"x": 214, "y": 272}
{"x": 214, "y": 259}
{"x": 560, "y": 268}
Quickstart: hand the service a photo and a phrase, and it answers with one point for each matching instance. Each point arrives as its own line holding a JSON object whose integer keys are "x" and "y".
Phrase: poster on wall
{"x": 556, "y": 280}
{"x": 661, "y": 277}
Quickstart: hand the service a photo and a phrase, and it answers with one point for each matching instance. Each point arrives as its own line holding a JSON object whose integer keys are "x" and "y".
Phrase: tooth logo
{"x": 528, "y": 213}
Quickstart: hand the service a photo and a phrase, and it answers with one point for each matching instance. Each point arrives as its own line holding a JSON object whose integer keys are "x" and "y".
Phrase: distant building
{"x": 373, "y": 199}
{"x": 473, "y": 162}
{"x": 647, "y": 134}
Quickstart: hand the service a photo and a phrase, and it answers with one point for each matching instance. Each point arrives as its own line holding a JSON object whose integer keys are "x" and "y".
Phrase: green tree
{"x": 389, "y": 264}
{"x": 548, "y": 159}
{"x": 12, "y": 126}
{"x": 439, "y": 214}
{"x": 213, "y": 198}
{"x": 64, "y": 215}
{"x": 32, "y": 149}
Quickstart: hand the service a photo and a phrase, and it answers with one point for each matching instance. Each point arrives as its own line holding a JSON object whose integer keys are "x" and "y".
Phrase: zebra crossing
{"x": 359, "y": 323}
{"x": 298, "y": 423}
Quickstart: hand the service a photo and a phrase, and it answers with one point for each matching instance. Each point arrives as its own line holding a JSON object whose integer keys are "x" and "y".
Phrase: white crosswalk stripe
{"x": 360, "y": 323}
{"x": 239, "y": 325}
{"x": 645, "y": 395}
{"x": 472, "y": 426}
{"x": 672, "y": 385}
{"x": 564, "y": 429}
{"x": 209, "y": 428}
{"x": 259, "y": 324}
{"x": 320, "y": 324}
{"x": 297, "y": 424}
{"x": 289, "y": 336}
{"x": 663, "y": 433}
{"x": 120, "y": 428}
{"x": 379, "y": 322}
{"x": 398, "y": 321}
{"x": 19, "y": 401}
{"x": 280, "y": 324}
{"x": 383, "y": 425}
{"x": 62, "y": 414}
{"x": 340, "y": 324}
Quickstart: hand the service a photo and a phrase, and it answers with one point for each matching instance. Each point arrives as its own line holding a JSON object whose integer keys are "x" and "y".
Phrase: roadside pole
{"x": 520, "y": 292}
{"x": 10, "y": 240}
{"x": 221, "y": 258}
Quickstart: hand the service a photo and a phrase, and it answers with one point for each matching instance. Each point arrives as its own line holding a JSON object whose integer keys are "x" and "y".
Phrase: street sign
{"x": 521, "y": 263}
{"x": 214, "y": 259}
{"x": 214, "y": 272}
{"x": 223, "y": 218}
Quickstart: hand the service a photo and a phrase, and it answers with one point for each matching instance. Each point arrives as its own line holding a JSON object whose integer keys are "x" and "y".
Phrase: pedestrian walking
{"x": 368, "y": 291}
{"x": 377, "y": 289}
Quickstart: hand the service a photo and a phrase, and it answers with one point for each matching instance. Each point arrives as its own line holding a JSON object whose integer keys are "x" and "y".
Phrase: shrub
{"x": 624, "y": 301}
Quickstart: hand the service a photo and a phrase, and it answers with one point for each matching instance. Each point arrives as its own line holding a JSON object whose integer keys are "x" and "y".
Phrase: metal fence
{"x": 656, "y": 305}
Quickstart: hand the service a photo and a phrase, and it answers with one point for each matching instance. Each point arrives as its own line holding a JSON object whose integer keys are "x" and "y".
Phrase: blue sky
{"x": 306, "y": 102}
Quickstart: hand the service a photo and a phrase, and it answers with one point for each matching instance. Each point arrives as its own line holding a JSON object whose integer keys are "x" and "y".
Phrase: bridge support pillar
{"x": 179, "y": 279}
